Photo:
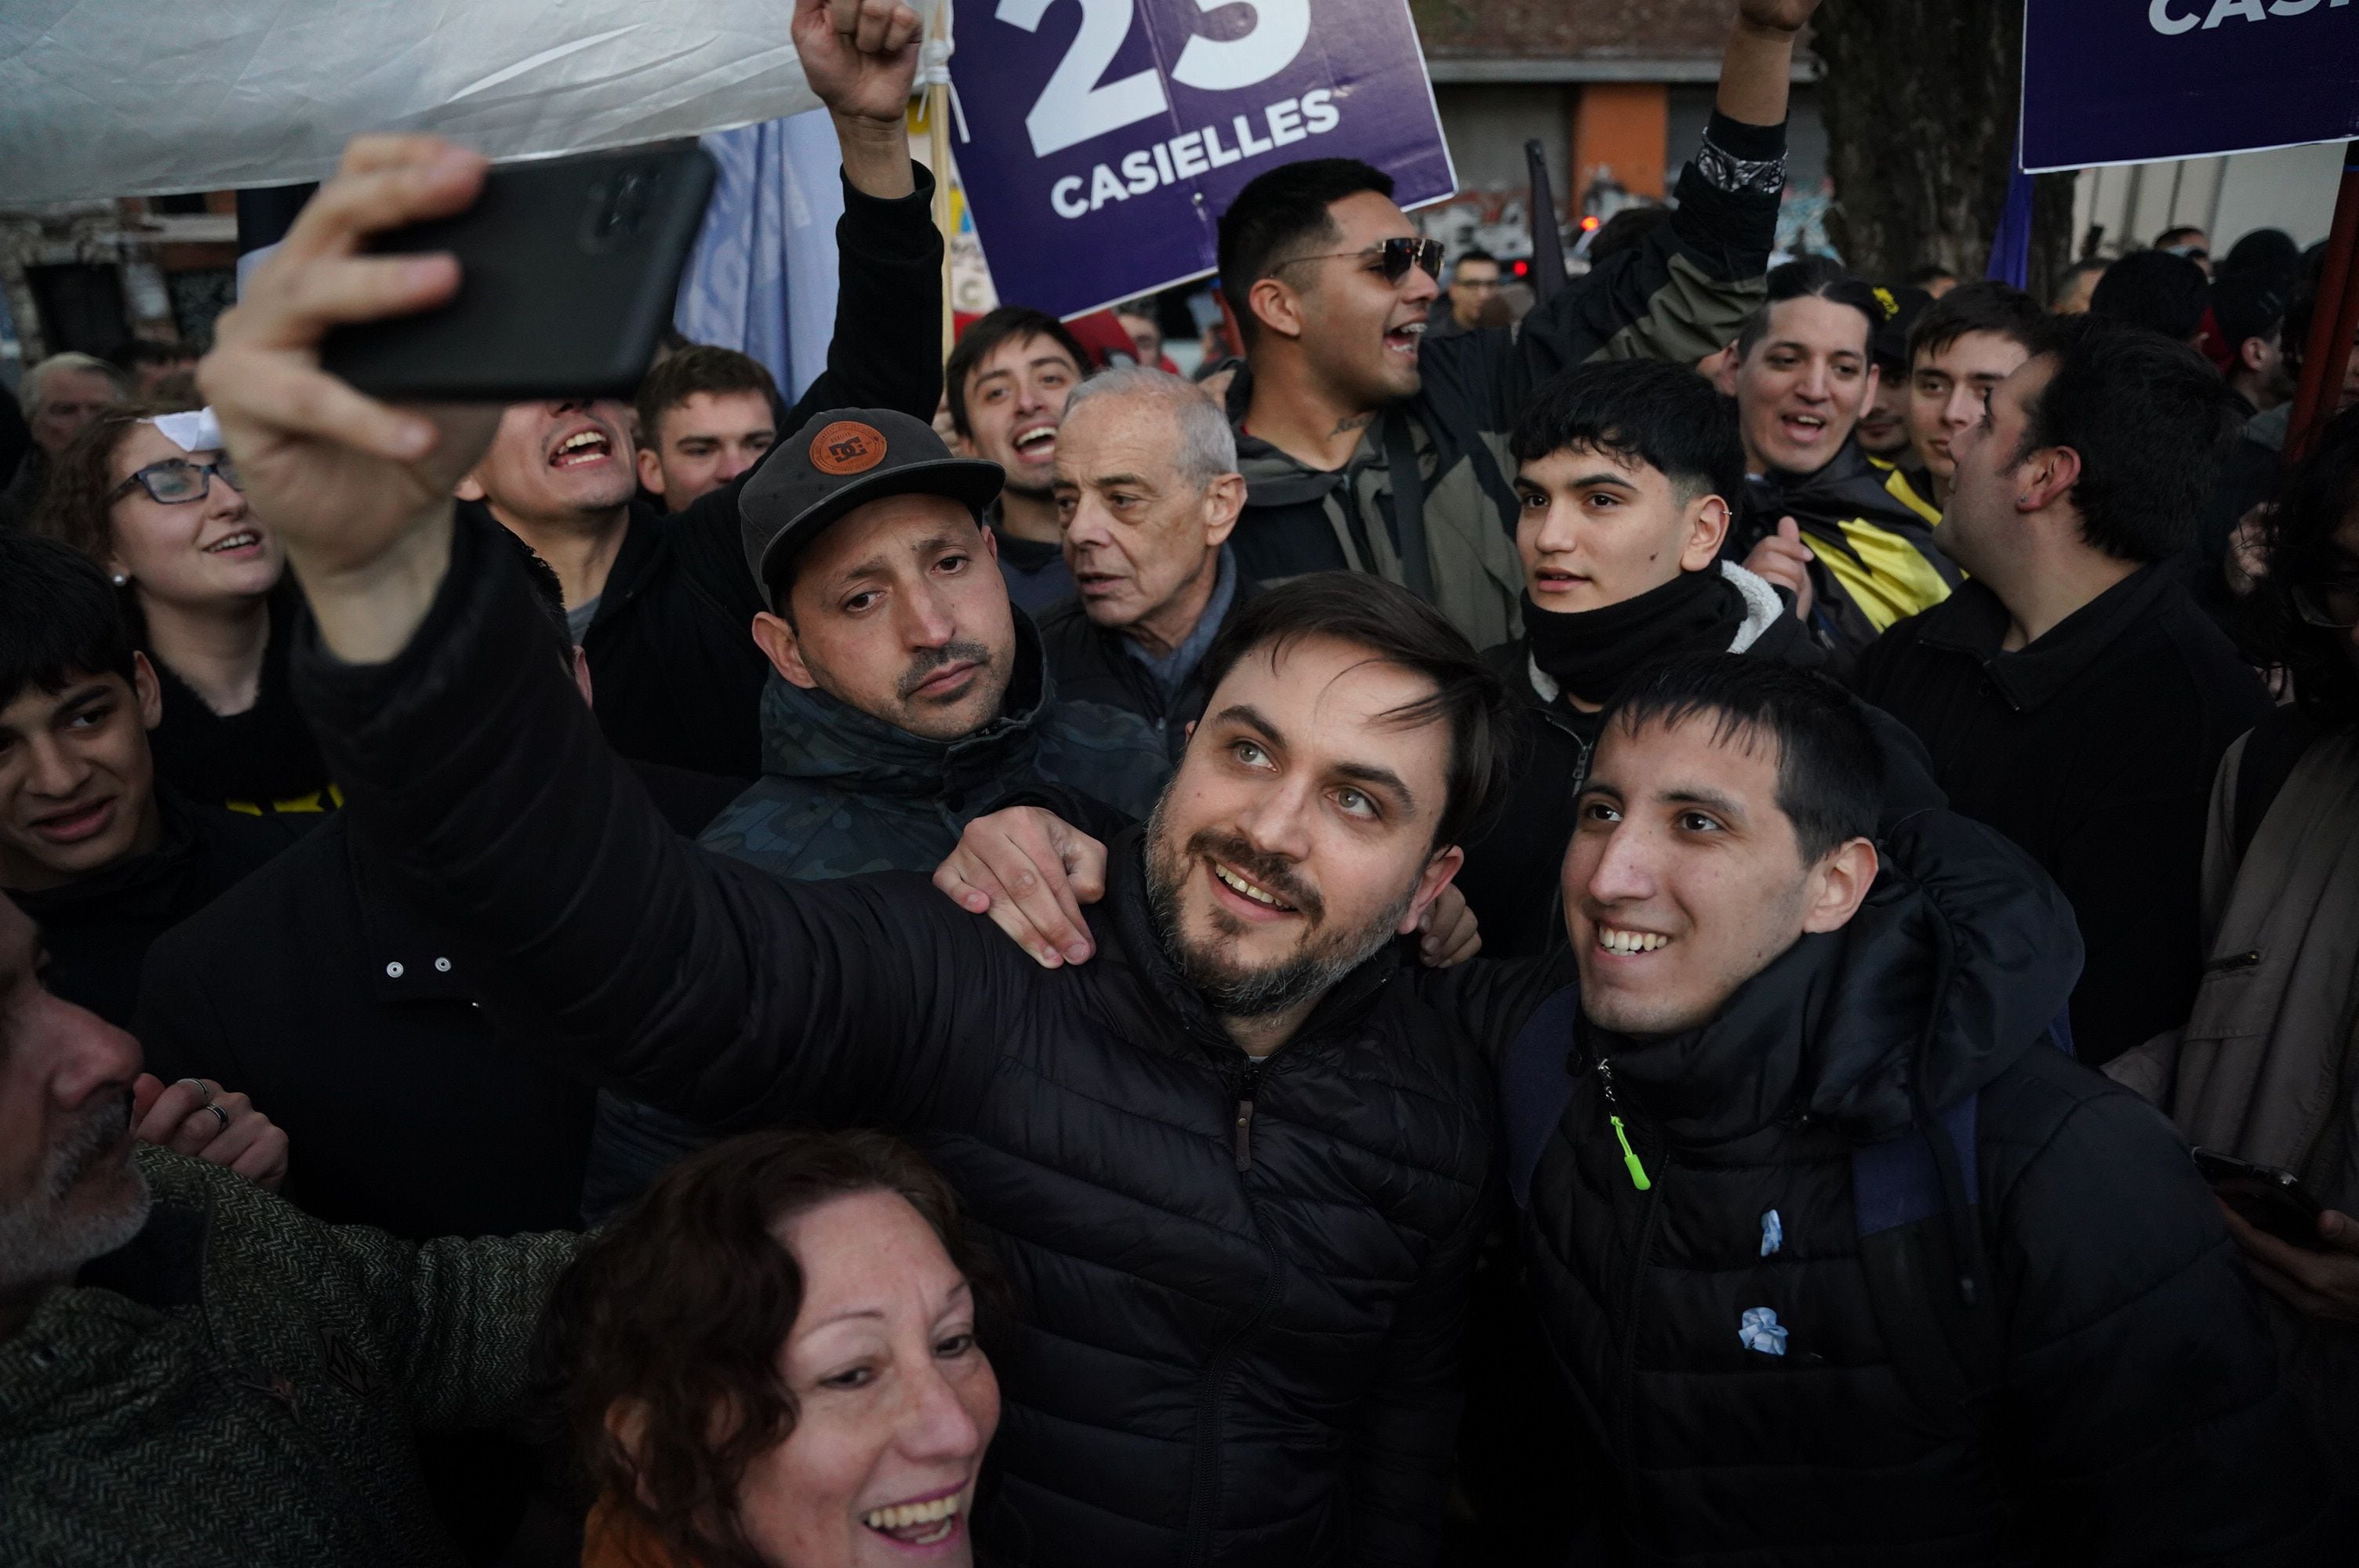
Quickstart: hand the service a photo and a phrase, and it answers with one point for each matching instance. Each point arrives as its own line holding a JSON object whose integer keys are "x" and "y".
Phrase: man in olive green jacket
{"x": 193, "y": 1371}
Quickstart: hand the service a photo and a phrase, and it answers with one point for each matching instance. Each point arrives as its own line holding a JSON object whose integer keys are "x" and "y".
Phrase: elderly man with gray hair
{"x": 1148, "y": 492}
{"x": 62, "y": 393}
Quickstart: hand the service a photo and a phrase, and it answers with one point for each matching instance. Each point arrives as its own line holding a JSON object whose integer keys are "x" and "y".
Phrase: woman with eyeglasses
{"x": 2267, "y": 1068}
{"x": 201, "y": 577}
{"x": 770, "y": 1361}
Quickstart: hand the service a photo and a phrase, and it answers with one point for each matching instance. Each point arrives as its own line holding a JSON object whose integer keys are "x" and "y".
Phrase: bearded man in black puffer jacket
{"x": 1845, "y": 1259}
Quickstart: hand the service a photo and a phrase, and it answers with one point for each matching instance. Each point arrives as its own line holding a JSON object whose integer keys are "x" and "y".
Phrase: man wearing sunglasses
{"x": 1366, "y": 446}
{"x": 2072, "y": 693}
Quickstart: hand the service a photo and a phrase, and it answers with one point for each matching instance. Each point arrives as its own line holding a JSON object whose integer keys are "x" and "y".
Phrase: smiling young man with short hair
{"x": 1862, "y": 552}
{"x": 1006, "y": 382}
{"x": 706, "y": 414}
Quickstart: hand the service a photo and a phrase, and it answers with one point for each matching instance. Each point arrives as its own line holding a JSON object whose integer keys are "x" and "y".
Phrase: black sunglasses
{"x": 177, "y": 481}
{"x": 1393, "y": 258}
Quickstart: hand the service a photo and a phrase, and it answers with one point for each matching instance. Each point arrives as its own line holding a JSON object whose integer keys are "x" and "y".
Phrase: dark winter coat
{"x": 2126, "y": 1407}
{"x": 98, "y": 930}
{"x": 1511, "y": 875}
{"x": 2094, "y": 749}
{"x": 842, "y": 792}
{"x": 1679, "y": 296}
{"x": 673, "y": 664}
{"x": 242, "y": 1385}
{"x": 1095, "y": 663}
{"x": 261, "y": 759}
{"x": 1240, "y": 1285}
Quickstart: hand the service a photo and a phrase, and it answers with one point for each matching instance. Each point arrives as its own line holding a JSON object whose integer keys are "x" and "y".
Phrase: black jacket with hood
{"x": 2125, "y": 1407}
{"x": 1240, "y": 1284}
{"x": 1876, "y": 556}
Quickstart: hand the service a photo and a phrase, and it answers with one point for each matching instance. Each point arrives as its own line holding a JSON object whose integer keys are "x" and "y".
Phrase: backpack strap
{"x": 1946, "y": 1354}
{"x": 1535, "y": 1085}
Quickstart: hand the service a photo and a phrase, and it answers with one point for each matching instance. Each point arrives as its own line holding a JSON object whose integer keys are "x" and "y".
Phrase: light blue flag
{"x": 762, "y": 276}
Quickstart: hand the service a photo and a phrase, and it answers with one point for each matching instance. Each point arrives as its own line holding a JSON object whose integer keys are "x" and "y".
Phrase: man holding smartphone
{"x": 661, "y": 603}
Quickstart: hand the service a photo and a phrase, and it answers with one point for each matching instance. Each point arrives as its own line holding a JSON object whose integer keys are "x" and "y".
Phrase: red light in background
{"x": 1589, "y": 224}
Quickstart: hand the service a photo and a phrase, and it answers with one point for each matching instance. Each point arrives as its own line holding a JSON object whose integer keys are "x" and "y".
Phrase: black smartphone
{"x": 568, "y": 269}
{"x": 2269, "y": 1199}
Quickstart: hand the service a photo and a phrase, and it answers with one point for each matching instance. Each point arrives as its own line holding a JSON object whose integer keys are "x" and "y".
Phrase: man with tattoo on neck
{"x": 1366, "y": 448}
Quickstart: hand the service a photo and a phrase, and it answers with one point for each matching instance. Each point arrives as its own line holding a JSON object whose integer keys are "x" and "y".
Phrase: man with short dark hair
{"x": 1843, "y": 1261}
{"x": 1474, "y": 284}
{"x": 1150, "y": 492}
{"x": 93, "y": 844}
{"x": 1960, "y": 349}
{"x": 1626, "y": 468}
{"x": 706, "y": 414}
{"x": 662, "y": 603}
{"x": 1006, "y": 382}
{"x": 2187, "y": 242}
{"x": 2155, "y": 289}
{"x": 2074, "y": 292}
{"x": 2248, "y": 311}
{"x": 1883, "y": 428}
{"x": 1364, "y": 448}
{"x": 2070, "y": 693}
{"x": 1839, "y": 530}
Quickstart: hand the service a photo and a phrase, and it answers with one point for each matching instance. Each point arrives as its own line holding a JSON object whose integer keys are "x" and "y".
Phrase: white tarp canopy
{"x": 140, "y": 97}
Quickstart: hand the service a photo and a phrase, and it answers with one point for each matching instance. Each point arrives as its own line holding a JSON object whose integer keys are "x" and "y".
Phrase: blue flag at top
{"x": 2010, "y": 252}
{"x": 762, "y": 276}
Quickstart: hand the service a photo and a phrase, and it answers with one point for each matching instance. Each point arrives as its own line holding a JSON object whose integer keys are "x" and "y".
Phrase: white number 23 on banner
{"x": 1077, "y": 105}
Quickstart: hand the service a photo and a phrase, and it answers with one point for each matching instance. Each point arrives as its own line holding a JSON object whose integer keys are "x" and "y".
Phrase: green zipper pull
{"x": 1630, "y": 1157}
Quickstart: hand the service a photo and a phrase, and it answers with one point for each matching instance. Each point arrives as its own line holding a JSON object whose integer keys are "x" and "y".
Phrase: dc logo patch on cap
{"x": 847, "y": 447}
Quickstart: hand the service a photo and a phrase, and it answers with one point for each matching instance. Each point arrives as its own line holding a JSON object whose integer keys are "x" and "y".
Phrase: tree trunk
{"x": 1919, "y": 99}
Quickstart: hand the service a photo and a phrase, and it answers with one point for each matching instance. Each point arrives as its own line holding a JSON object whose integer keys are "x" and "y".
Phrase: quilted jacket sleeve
{"x": 694, "y": 983}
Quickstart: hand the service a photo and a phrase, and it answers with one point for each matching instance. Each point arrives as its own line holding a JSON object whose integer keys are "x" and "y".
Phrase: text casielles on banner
{"x": 1104, "y": 137}
{"x": 2137, "y": 81}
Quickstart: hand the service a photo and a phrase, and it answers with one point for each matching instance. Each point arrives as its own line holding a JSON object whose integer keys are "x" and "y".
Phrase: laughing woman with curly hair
{"x": 771, "y": 1362}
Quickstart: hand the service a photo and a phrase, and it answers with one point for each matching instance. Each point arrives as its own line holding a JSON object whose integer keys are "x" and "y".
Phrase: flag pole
{"x": 2334, "y": 318}
{"x": 938, "y": 131}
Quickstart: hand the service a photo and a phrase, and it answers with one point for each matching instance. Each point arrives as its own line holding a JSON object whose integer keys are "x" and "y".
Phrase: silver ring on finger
{"x": 217, "y": 1111}
{"x": 204, "y": 1091}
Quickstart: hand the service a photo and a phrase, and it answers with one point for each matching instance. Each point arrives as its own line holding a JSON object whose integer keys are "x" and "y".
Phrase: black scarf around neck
{"x": 1591, "y": 652}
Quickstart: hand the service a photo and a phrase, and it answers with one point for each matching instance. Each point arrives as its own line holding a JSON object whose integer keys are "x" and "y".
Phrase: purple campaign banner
{"x": 1104, "y": 137}
{"x": 2138, "y": 80}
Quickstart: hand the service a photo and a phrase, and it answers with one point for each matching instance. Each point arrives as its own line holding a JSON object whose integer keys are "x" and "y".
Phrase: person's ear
{"x": 990, "y": 541}
{"x": 650, "y": 471}
{"x": 148, "y": 690}
{"x": 470, "y": 488}
{"x": 1707, "y": 526}
{"x": 1276, "y": 306}
{"x": 1430, "y": 883}
{"x": 2047, "y": 477}
{"x": 783, "y": 649}
{"x": 1838, "y": 884}
{"x": 1224, "y": 502}
{"x": 2251, "y": 352}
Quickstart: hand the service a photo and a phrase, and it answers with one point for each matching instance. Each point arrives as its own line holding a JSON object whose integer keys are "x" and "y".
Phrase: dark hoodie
{"x": 2127, "y": 1410}
{"x": 842, "y": 792}
{"x": 1872, "y": 537}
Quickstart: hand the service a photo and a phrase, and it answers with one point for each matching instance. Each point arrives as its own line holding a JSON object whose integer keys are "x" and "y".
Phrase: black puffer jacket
{"x": 1233, "y": 1345}
{"x": 2129, "y": 1410}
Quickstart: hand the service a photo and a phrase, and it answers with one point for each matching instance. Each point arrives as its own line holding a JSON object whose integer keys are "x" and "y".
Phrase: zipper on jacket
{"x": 1244, "y": 1130}
{"x": 1626, "y": 1372}
{"x": 1630, "y": 1160}
{"x": 2232, "y": 962}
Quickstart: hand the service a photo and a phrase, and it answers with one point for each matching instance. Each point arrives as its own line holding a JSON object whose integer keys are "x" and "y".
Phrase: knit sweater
{"x": 239, "y": 1384}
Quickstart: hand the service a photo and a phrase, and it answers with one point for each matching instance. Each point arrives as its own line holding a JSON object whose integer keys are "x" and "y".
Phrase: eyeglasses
{"x": 176, "y": 481}
{"x": 1392, "y": 257}
{"x": 2335, "y": 607}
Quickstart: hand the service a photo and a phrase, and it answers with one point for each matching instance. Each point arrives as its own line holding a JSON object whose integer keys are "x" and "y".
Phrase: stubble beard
{"x": 1236, "y": 990}
{"x": 38, "y": 1242}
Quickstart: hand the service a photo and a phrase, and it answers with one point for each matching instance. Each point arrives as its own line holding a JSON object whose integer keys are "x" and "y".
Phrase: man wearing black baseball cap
{"x": 911, "y": 697}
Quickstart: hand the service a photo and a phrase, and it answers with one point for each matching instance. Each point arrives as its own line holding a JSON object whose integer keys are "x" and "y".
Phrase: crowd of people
{"x": 1598, "y": 938}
